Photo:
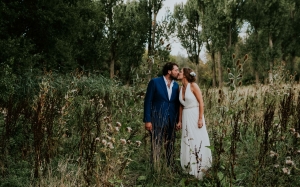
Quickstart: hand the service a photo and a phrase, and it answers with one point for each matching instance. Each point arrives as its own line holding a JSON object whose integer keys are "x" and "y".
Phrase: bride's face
{"x": 180, "y": 75}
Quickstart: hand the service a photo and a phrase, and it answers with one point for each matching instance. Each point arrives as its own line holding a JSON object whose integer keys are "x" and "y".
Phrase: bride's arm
{"x": 179, "y": 124}
{"x": 197, "y": 92}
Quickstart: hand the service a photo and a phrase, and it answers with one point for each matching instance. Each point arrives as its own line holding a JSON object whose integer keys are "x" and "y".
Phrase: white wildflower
{"x": 286, "y": 170}
{"x": 97, "y": 139}
{"x": 123, "y": 141}
{"x": 117, "y": 129}
{"x": 138, "y": 143}
{"x": 292, "y": 130}
{"x": 289, "y": 162}
{"x": 110, "y": 145}
{"x": 272, "y": 154}
{"x": 119, "y": 124}
{"x": 104, "y": 142}
{"x": 129, "y": 129}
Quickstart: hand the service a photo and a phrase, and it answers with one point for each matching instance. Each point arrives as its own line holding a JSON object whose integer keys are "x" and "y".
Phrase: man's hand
{"x": 148, "y": 126}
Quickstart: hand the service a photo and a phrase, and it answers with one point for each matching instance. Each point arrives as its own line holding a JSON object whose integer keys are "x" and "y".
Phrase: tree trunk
{"x": 229, "y": 37}
{"x": 153, "y": 31}
{"x": 256, "y": 78}
{"x": 150, "y": 28}
{"x": 112, "y": 60}
{"x": 152, "y": 52}
{"x": 271, "y": 60}
{"x": 293, "y": 62}
{"x": 220, "y": 69}
{"x": 213, "y": 68}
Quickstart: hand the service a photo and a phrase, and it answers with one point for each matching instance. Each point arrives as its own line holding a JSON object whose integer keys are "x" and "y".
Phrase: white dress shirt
{"x": 169, "y": 89}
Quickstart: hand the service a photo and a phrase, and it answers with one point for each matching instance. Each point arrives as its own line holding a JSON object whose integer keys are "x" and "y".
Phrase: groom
{"x": 161, "y": 107}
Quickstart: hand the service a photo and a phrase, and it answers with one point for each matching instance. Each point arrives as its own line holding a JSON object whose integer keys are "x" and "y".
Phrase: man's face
{"x": 174, "y": 73}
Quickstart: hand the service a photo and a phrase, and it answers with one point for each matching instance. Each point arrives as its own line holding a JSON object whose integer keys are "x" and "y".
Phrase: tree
{"x": 188, "y": 28}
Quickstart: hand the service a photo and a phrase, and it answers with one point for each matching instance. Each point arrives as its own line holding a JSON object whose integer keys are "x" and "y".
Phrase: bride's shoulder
{"x": 194, "y": 85}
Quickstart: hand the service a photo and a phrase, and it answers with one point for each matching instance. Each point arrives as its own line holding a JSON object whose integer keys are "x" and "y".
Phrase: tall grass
{"x": 86, "y": 130}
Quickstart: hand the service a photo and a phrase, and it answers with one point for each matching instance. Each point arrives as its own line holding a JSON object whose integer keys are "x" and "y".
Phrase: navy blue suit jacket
{"x": 157, "y": 106}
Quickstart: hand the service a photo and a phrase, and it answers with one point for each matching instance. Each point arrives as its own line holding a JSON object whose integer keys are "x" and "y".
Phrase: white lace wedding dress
{"x": 195, "y": 157}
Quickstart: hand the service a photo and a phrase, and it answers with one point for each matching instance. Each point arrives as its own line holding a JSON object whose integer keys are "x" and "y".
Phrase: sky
{"x": 176, "y": 47}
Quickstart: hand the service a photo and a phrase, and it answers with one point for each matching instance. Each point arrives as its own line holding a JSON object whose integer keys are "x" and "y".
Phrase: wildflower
{"x": 109, "y": 125}
{"x": 119, "y": 124}
{"x": 298, "y": 151}
{"x": 113, "y": 140}
{"x": 286, "y": 170}
{"x": 289, "y": 162}
{"x": 129, "y": 129}
{"x": 117, "y": 129}
{"x": 108, "y": 137}
{"x": 138, "y": 143}
{"x": 272, "y": 154}
{"x": 292, "y": 130}
{"x": 246, "y": 57}
{"x": 104, "y": 142}
{"x": 123, "y": 141}
{"x": 238, "y": 62}
{"x": 276, "y": 165}
{"x": 233, "y": 56}
{"x": 110, "y": 145}
{"x": 129, "y": 141}
{"x": 97, "y": 139}
{"x": 228, "y": 70}
{"x": 297, "y": 135}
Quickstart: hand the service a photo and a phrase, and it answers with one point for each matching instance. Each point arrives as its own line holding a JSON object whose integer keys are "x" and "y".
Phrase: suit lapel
{"x": 164, "y": 87}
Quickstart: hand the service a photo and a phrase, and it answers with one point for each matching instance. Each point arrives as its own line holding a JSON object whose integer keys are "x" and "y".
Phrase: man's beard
{"x": 173, "y": 78}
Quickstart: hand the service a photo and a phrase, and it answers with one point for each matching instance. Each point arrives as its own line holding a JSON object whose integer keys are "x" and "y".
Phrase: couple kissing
{"x": 169, "y": 107}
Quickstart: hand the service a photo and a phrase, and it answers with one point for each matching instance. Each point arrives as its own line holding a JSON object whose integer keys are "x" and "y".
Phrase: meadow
{"x": 82, "y": 129}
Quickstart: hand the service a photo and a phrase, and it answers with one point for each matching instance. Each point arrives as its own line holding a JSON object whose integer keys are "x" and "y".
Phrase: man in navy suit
{"x": 161, "y": 110}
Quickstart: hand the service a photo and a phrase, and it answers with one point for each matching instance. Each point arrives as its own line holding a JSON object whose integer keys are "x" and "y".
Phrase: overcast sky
{"x": 176, "y": 47}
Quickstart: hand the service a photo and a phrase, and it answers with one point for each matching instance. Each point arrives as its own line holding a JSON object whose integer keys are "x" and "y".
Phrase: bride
{"x": 195, "y": 157}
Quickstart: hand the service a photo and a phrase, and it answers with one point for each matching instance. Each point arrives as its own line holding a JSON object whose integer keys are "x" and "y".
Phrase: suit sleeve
{"x": 148, "y": 101}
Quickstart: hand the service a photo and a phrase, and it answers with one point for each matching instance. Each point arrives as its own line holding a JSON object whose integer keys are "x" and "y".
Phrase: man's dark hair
{"x": 168, "y": 66}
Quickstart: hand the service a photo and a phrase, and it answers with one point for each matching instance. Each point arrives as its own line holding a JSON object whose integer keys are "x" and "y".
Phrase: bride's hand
{"x": 178, "y": 126}
{"x": 200, "y": 123}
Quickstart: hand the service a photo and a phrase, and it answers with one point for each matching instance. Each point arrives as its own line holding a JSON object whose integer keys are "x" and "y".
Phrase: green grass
{"x": 54, "y": 134}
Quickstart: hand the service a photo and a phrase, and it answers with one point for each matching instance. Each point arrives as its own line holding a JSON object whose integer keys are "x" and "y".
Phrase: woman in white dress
{"x": 195, "y": 157}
